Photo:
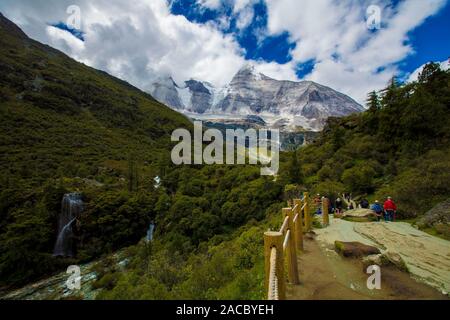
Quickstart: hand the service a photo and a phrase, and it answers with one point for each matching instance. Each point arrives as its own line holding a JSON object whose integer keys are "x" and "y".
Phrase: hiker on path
{"x": 378, "y": 209}
{"x": 318, "y": 204}
{"x": 390, "y": 209}
{"x": 338, "y": 206}
{"x": 364, "y": 204}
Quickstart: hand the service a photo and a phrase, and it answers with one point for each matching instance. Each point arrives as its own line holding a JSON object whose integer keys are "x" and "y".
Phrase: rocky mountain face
{"x": 302, "y": 104}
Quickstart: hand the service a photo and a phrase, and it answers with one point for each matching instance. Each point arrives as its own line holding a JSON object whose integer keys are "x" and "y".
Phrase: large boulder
{"x": 439, "y": 215}
{"x": 355, "y": 249}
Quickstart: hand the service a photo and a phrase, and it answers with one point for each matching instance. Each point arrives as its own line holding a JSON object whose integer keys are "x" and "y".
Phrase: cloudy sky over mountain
{"x": 327, "y": 41}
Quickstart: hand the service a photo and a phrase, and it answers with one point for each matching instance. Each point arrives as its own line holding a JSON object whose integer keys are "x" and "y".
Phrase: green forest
{"x": 66, "y": 127}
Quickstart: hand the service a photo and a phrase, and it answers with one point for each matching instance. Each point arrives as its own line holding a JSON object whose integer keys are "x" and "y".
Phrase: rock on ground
{"x": 440, "y": 214}
{"x": 438, "y": 218}
{"x": 359, "y": 213}
{"x": 385, "y": 259}
{"x": 355, "y": 249}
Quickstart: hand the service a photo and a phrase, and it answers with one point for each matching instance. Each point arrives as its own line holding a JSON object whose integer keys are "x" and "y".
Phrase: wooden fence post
{"x": 325, "y": 205}
{"x": 275, "y": 239}
{"x": 298, "y": 224}
{"x": 291, "y": 249}
{"x": 307, "y": 215}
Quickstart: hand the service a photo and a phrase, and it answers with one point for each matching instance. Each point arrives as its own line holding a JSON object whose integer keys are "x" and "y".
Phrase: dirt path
{"x": 324, "y": 275}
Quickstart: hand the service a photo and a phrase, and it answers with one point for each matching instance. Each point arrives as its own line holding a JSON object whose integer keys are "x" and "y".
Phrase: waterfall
{"x": 150, "y": 230}
{"x": 71, "y": 208}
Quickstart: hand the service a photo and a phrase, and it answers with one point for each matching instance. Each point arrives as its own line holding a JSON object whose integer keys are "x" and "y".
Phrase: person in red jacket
{"x": 390, "y": 209}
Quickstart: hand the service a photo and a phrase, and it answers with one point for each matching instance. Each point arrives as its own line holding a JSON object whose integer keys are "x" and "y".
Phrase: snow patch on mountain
{"x": 185, "y": 96}
{"x": 445, "y": 65}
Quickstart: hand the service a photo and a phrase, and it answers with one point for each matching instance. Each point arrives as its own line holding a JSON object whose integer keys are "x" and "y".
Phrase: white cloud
{"x": 210, "y": 4}
{"x": 65, "y": 40}
{"x": 135, "y": 40}
{"x": 245, "y": 17}
{"x": 138, "y": 40}
{"x": 276, "y": 71}
{"x": 334, "y": 33}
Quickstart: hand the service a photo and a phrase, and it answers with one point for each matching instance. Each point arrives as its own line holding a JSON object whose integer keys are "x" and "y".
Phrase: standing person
{"x": 318, "y": 204}
{"x": 338, "y": 205}
{"x": 364, "y": 204}
{"x": 390, "y": 209}
{"x": 378, "y": 209}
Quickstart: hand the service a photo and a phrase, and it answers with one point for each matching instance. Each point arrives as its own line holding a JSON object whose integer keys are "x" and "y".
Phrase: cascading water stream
{"x": 150, "y": 231}
{"x": 71, "y": 208}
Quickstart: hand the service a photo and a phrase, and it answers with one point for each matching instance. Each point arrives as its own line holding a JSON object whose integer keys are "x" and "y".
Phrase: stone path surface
{"x": 427, "y": 257}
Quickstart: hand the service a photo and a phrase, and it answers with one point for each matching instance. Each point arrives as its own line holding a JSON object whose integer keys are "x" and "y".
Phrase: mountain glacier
{"x": 287, "y": 105}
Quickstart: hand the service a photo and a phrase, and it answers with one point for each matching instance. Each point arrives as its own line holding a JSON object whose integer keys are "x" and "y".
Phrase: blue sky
{"x": 431, "y": 40}
{"x": 326, "y": 41}
{"x": 271, "y": 48}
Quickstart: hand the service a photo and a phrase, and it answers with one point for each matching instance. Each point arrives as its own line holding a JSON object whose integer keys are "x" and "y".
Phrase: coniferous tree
{"x": 428, "y": 72}
{"x": 373, "y": 102}
{"x": 294, "y": 169}
{"x": 390, "y": 93}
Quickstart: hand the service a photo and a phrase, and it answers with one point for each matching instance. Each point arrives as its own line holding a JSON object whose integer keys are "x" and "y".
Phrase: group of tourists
{"x": 387, "y": 211}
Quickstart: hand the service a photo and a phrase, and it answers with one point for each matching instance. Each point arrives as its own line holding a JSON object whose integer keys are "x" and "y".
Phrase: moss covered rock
{"x": 354, "y": 249}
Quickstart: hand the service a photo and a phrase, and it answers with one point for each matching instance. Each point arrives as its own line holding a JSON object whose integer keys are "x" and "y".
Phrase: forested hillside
{"x": 66, "y": 127}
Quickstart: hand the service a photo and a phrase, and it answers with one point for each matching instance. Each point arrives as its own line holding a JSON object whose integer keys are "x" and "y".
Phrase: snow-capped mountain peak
{"x": 305, "y": 103}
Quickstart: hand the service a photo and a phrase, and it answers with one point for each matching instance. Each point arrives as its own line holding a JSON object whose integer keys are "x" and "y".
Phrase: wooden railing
{"x": 281, "y": 247}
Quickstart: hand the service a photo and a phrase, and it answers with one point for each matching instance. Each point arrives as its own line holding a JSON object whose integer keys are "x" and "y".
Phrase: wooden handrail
{"x": 298, "y": 223}
{"x": 285, "y": 225}
{"x": 306, "y": 212}
{"x": 291, "y": 247}
{"x": 325, "y": 206}
{"x": 275, "y": 283}
{"x": 286, "y": 240}
{"x": 281, "y": 247}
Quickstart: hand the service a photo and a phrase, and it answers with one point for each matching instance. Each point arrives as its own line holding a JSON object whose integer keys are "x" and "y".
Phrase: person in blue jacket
{"x": 378, "y": 209}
